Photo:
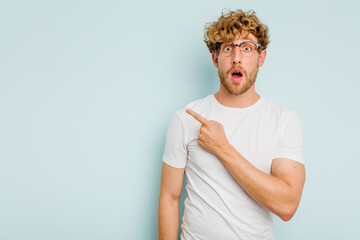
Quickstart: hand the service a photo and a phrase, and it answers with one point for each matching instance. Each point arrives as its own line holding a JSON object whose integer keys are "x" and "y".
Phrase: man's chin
{"x": 235, "y": 91}
{"x": 236, "y": 88}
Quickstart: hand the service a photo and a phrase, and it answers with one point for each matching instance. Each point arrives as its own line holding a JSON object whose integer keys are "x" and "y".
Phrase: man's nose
{"x": 237, "y": 55}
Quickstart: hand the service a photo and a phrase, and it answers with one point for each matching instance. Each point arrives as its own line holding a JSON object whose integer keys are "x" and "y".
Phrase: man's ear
{"x": 215, "y": 59}
{"x": 262, "y": 57}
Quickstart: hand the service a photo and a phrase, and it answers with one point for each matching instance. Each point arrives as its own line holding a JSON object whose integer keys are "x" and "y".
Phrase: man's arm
{"x": 172, "y": 180}
{"x": 279, "y": 192}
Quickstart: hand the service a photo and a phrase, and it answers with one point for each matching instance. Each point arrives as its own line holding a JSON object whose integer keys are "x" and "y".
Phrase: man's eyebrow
{"x": 243, "y": 40}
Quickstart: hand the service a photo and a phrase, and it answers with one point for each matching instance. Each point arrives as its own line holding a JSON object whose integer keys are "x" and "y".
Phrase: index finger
{"x": 197, "y": 116}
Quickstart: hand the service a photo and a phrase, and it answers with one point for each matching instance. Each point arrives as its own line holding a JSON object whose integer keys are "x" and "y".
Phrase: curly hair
{"x": 232, "y": 23}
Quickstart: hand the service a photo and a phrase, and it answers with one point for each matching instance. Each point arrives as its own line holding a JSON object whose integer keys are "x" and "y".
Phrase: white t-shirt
{"x": 216, "y": 206}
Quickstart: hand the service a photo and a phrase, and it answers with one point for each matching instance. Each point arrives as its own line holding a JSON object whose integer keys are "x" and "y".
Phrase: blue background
{"x": 88, "y": 88}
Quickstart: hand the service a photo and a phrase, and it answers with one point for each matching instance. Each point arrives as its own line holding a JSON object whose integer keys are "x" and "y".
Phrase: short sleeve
{"x": 291, "y": 141}
{"x": 175, "y": 153}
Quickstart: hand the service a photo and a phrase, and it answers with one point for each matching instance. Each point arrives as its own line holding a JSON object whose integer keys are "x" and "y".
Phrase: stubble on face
{"x": 238, "y": 88}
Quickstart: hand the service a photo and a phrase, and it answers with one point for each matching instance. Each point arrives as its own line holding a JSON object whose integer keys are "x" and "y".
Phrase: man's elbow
{"x": 167, "y": 197}
{"x": 288, "y": 213}
{"x": 286, "y": 217}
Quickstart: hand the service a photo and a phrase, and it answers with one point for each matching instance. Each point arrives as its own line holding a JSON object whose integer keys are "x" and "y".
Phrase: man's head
{"x": 238, "y": 42}
{"x": 235, "y": 23}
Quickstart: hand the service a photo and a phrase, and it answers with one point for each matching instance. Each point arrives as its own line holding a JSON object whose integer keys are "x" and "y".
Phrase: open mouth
{"x": 236, "y": 75}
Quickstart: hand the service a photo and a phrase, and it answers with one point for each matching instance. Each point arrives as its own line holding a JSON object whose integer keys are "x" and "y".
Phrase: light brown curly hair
{"x": 232, "y": 23}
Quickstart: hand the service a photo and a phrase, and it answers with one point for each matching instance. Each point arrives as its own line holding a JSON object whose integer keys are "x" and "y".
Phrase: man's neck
{"x": 241, "y": 101}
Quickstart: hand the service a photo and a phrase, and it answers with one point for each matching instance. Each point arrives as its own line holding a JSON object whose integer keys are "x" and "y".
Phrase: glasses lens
{"x": 248, "y": 48}
{"x": 227, "y": 49}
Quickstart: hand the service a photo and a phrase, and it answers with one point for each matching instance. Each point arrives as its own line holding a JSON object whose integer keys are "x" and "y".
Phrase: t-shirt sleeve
{"x": 175, "y": 153}
{"x": 291, "y": 141}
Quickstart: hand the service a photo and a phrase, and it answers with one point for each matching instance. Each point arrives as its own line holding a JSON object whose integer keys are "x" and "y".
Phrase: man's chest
{"x": 254, "y": 137}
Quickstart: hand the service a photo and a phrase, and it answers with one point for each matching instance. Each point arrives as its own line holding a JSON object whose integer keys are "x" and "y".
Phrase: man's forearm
{"x": 168, "y": 219}
{"x": 272, "y": 192}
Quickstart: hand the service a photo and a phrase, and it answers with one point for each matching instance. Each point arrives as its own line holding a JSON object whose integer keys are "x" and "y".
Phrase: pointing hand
{"x": 212, "y": 135}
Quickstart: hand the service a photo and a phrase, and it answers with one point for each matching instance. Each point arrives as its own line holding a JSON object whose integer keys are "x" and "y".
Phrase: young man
{"x": 241, "y": 152}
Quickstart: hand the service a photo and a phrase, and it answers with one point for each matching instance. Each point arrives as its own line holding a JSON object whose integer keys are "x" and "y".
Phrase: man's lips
{"x": 236, "y": 74}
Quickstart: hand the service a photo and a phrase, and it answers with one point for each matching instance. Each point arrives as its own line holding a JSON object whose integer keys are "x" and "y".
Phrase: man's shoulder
{"x": 279, "y": 111}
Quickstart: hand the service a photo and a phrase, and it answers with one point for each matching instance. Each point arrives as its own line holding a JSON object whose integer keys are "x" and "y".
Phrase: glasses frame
{"x": 238, "y": 45}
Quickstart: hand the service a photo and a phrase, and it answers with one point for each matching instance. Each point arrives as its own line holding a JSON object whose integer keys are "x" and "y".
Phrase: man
{"x": 241, "y": 152}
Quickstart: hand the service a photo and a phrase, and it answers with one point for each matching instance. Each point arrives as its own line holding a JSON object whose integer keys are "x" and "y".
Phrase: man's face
{"x": 237, "y": 72}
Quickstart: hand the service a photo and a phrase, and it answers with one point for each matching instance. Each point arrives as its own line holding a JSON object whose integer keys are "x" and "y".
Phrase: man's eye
{"x": 247, "y": 48}
{"x": 227, "y": 49}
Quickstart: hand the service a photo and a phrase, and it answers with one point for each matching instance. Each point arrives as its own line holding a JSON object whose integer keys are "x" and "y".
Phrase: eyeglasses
{"x": 247, "y": 48}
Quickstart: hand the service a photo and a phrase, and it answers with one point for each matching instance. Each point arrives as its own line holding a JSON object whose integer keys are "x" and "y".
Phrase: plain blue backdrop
{"x": 88, "y": 88}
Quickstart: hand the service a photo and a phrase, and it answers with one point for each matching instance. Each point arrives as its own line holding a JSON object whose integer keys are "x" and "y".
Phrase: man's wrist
{"x": 226, "y": 151}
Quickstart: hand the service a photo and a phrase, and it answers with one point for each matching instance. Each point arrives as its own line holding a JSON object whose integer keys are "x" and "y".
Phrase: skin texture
{"x": 171, "y": 185}
{"x": 249, "y": 68}
{"x": 279, "y": 192}
{"x": 246, "y": 86}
